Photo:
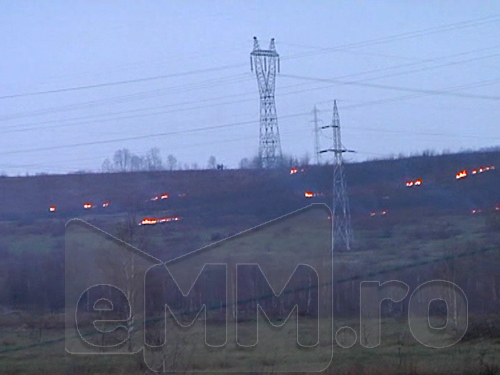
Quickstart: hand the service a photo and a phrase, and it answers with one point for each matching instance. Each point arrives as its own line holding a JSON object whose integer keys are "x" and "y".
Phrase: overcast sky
{"x": 408, "y": 76}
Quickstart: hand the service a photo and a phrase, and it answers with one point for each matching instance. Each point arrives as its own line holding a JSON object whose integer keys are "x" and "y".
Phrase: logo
{"x": 267, "y": 298}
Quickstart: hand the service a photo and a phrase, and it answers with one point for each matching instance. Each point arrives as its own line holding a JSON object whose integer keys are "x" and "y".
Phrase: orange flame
{"x": 148, "y": 221}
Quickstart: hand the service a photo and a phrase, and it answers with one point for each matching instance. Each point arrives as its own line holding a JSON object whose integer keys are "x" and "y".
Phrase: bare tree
{"x": 153, "y": 160}
{"x": 106, "y": 166}
{"x": 137, "y": 163}
{"x": 122, "y": 160}
{"x": 171, "y": 162}
{"x": 212, "y": 162}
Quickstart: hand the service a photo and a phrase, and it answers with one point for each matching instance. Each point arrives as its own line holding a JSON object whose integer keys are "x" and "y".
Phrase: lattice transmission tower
{"x": 341, "y": 215}
{"x": 316, "y": 121}
{"x": 267, "y": 65}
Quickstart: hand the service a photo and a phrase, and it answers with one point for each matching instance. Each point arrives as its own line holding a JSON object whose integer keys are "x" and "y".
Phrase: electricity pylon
{"x": 266, "y": 64}
{"x": 317, "y": 155}
{"x": 341, "y": 215}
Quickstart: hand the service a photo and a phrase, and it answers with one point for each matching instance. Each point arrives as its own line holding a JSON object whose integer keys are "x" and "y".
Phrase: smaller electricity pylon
{"x": 316, "y": 121}
{"x": 341, "y": 215}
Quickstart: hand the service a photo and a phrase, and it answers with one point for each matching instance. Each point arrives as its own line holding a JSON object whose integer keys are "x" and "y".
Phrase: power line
{"x": 229, "y": 79}
{"x": 397, "y": 88}
{"x": 118, "y": 83}
{"x": 116, "y": 140}
{"x": 225, "y": 103}
{"x": 382, "y": 40}
{"x": 405, "y": 36}
{"x": 426, "y": 92}
{"x": 297, "y": 131}
{"x": 236, "y": 78}
{"x": 135, "y": 96}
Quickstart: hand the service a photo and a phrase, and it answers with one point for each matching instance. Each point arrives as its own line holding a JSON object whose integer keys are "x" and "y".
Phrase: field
{"x": 35, "y": 344}
{"x": 420, "y": 237}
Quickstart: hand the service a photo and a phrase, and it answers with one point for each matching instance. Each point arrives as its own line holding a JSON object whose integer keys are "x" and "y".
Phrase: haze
{"x": 408, "y": 76}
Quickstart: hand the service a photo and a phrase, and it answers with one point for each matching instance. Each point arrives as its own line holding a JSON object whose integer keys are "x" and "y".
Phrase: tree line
{"x": 124, "y": 160}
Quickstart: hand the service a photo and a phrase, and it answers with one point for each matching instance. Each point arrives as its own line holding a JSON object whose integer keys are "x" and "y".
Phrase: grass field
{"x": 402, "y": 248}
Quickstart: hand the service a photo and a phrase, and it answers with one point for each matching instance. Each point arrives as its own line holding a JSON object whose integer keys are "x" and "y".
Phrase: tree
{"x": 122, "y": 160}
{"x": 137, "y": 163}
{"x": 171, "y": 162}
{"x": 106, "y": 166}
{"x": 153, "y": 160}
{"x": 212, "y": 162}
{"x": 245, "y": 163}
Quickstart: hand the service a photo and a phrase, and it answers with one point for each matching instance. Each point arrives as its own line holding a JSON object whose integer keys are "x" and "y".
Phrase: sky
{"x": 82, "y": 79}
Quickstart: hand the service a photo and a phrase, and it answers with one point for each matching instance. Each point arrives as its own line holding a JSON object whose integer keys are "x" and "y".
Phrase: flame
{"x": 475, "y": 171}
{"x": 169, "y": 218}
{"x": 148, "y": 221}
{"x": 155, "y": 198}
{"x": 416, "y": 182}
{"x": 309, "y": 194}
{"x": 293, "y": 170}
{"x": 52, "y": 208}
{"x": 87, "y": 206}
{"x": 165, "y": 196}
{"x": 105, "y": 204}
{"x": 153, "y": 221}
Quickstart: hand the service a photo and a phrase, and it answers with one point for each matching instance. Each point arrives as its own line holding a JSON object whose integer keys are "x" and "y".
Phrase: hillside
{"x": 442, "y": 228}
{"x": 373, "y": 186}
